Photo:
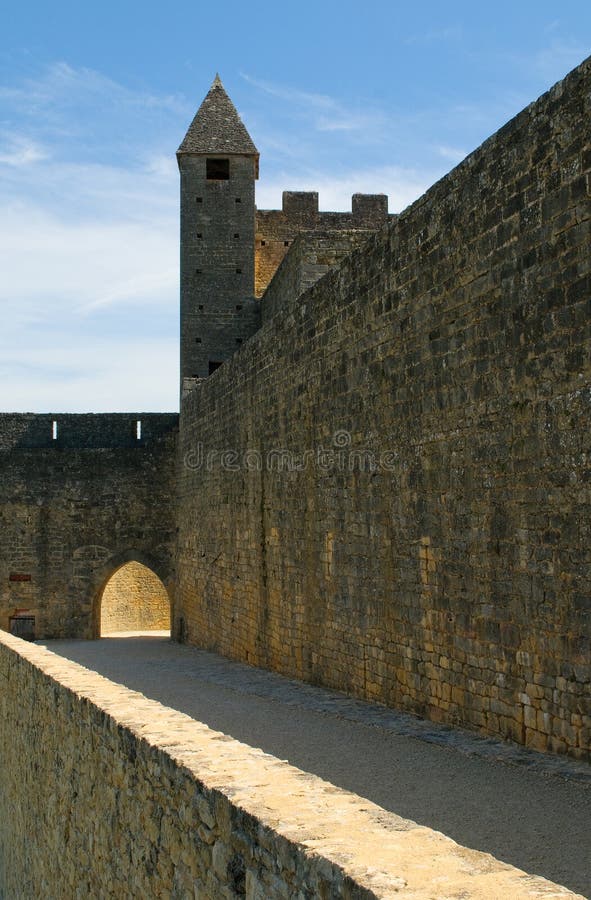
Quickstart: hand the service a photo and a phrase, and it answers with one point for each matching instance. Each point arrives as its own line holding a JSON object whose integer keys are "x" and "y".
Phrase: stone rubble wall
{"x": 388, "y": 491}
{"x": 106, "y": 794}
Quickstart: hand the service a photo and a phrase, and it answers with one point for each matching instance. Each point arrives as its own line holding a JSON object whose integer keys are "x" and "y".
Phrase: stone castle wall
{"x": 387, "y": 490}
{"x": 105, "y": 793}
{"x": 311, "y": 256}
{"x": 75, "y": 507}
{"x": 276, "y": 229}
{"x": 82, "y": 431}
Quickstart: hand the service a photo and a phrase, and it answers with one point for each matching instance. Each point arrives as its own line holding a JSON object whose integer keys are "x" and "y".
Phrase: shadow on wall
{"x": 134, "y": 599}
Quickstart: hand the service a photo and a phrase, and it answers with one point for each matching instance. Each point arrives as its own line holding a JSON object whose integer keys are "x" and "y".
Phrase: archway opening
{"x": 134, "y": 599}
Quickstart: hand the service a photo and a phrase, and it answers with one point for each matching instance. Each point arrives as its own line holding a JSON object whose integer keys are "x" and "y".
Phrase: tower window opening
{"x": 54, "y": 430}
{"x": 238, "y": 200}
{"x": 200, "y": 236}
{"x": 286, "y": 243}
{"x": 239, "y": 306}
{"x": 236, "y": 235}
{"x": 217, "y": 169}
{"x": 263, "y": 243}
{"x": 138, "y": 430}
{"x": 198, "y": 199}
{"x": 238, "y": 340}
{"x": 197, "y": 340}
{"x": 200, "y": 306}
{"x": 213, "y": 366}
{"x": 198, "y": 271}
{"x": 239, "y": 271}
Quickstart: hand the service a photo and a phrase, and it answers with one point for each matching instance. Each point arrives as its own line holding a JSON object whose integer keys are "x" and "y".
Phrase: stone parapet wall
{"x": 104, "y": 793}
{"x": 33, "y": 431}
{"x": 312, "y": 255}
{"x": 403, "y": 455}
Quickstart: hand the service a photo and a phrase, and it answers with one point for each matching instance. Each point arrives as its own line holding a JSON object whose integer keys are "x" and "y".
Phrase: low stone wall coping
{"x": 304, "y": 820}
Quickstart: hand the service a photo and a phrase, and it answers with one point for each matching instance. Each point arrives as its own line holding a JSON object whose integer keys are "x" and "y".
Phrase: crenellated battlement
{"x": 276, "y": 229}
{"x": 83, "y": 431}
{"x": 365, "y": 209}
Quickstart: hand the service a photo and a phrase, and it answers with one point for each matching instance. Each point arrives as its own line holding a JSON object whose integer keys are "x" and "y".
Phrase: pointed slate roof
{"x": 217, "y": 127}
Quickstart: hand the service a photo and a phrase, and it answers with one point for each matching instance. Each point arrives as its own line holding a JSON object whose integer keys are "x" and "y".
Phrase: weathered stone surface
{"x": 134, "y": 599}
{"x": 387, "y": 490}
{"x": 75, "y": 508}
{"x": 277, "y": 229}
{"x": 312, "y": 254}
{"x": 121, "y": 792}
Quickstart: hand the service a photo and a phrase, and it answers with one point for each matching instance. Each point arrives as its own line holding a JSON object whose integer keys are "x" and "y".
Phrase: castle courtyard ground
{"x": 526, "y": 808}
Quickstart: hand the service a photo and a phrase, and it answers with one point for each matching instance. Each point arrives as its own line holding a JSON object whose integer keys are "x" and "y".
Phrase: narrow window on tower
{"x": 54, "y": 430}
{"x": 217, "y": 169}
{"x": 138, "y": 430}
{"x": 213, "y": 366}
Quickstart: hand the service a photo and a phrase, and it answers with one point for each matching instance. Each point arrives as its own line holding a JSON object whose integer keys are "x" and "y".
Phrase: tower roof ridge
{"x": 217, "y": 127}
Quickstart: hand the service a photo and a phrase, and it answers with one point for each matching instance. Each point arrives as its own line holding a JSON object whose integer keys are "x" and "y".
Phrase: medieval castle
{"x": 379, "y": 481}
{"x": 380, "y": 478}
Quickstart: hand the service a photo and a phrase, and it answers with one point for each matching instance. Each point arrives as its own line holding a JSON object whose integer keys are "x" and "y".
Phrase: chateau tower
{"x": 218, "y": 163}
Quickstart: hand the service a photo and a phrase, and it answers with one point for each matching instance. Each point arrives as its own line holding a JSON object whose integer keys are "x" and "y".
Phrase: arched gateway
{"x": 133, "y": 593}
{"x": 134, "y": 599}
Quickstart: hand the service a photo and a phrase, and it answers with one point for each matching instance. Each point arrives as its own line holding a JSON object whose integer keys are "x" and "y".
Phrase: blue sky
{"x": 338, "y": 96}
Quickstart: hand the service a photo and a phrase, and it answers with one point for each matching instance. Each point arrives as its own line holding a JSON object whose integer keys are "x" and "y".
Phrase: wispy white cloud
{"x": 453, "y": 154}
{"x": 16, "y": 150}
{"x": 324, "y": 112}
{"x": 144, "y": 288}
{"x": 81, "y": 266}
{"x": 82, "y": 115}
{"x": 341, "y": 120}
{"x": 60, "y": 375}
{"x": 534, "y": 69}
{"x": 89, "y": 250}
{"x": 291, "y": 94}
{"x": 563, "y": 54}
{"x": 60, "y": 84}
{"x": 437, "y": 35}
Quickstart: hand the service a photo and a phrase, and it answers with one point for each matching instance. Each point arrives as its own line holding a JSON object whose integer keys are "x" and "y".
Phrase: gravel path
{"x": 528, "y": 809}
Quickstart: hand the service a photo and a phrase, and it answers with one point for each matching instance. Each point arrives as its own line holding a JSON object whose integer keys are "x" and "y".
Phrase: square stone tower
{"x": 218, "y": 163}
